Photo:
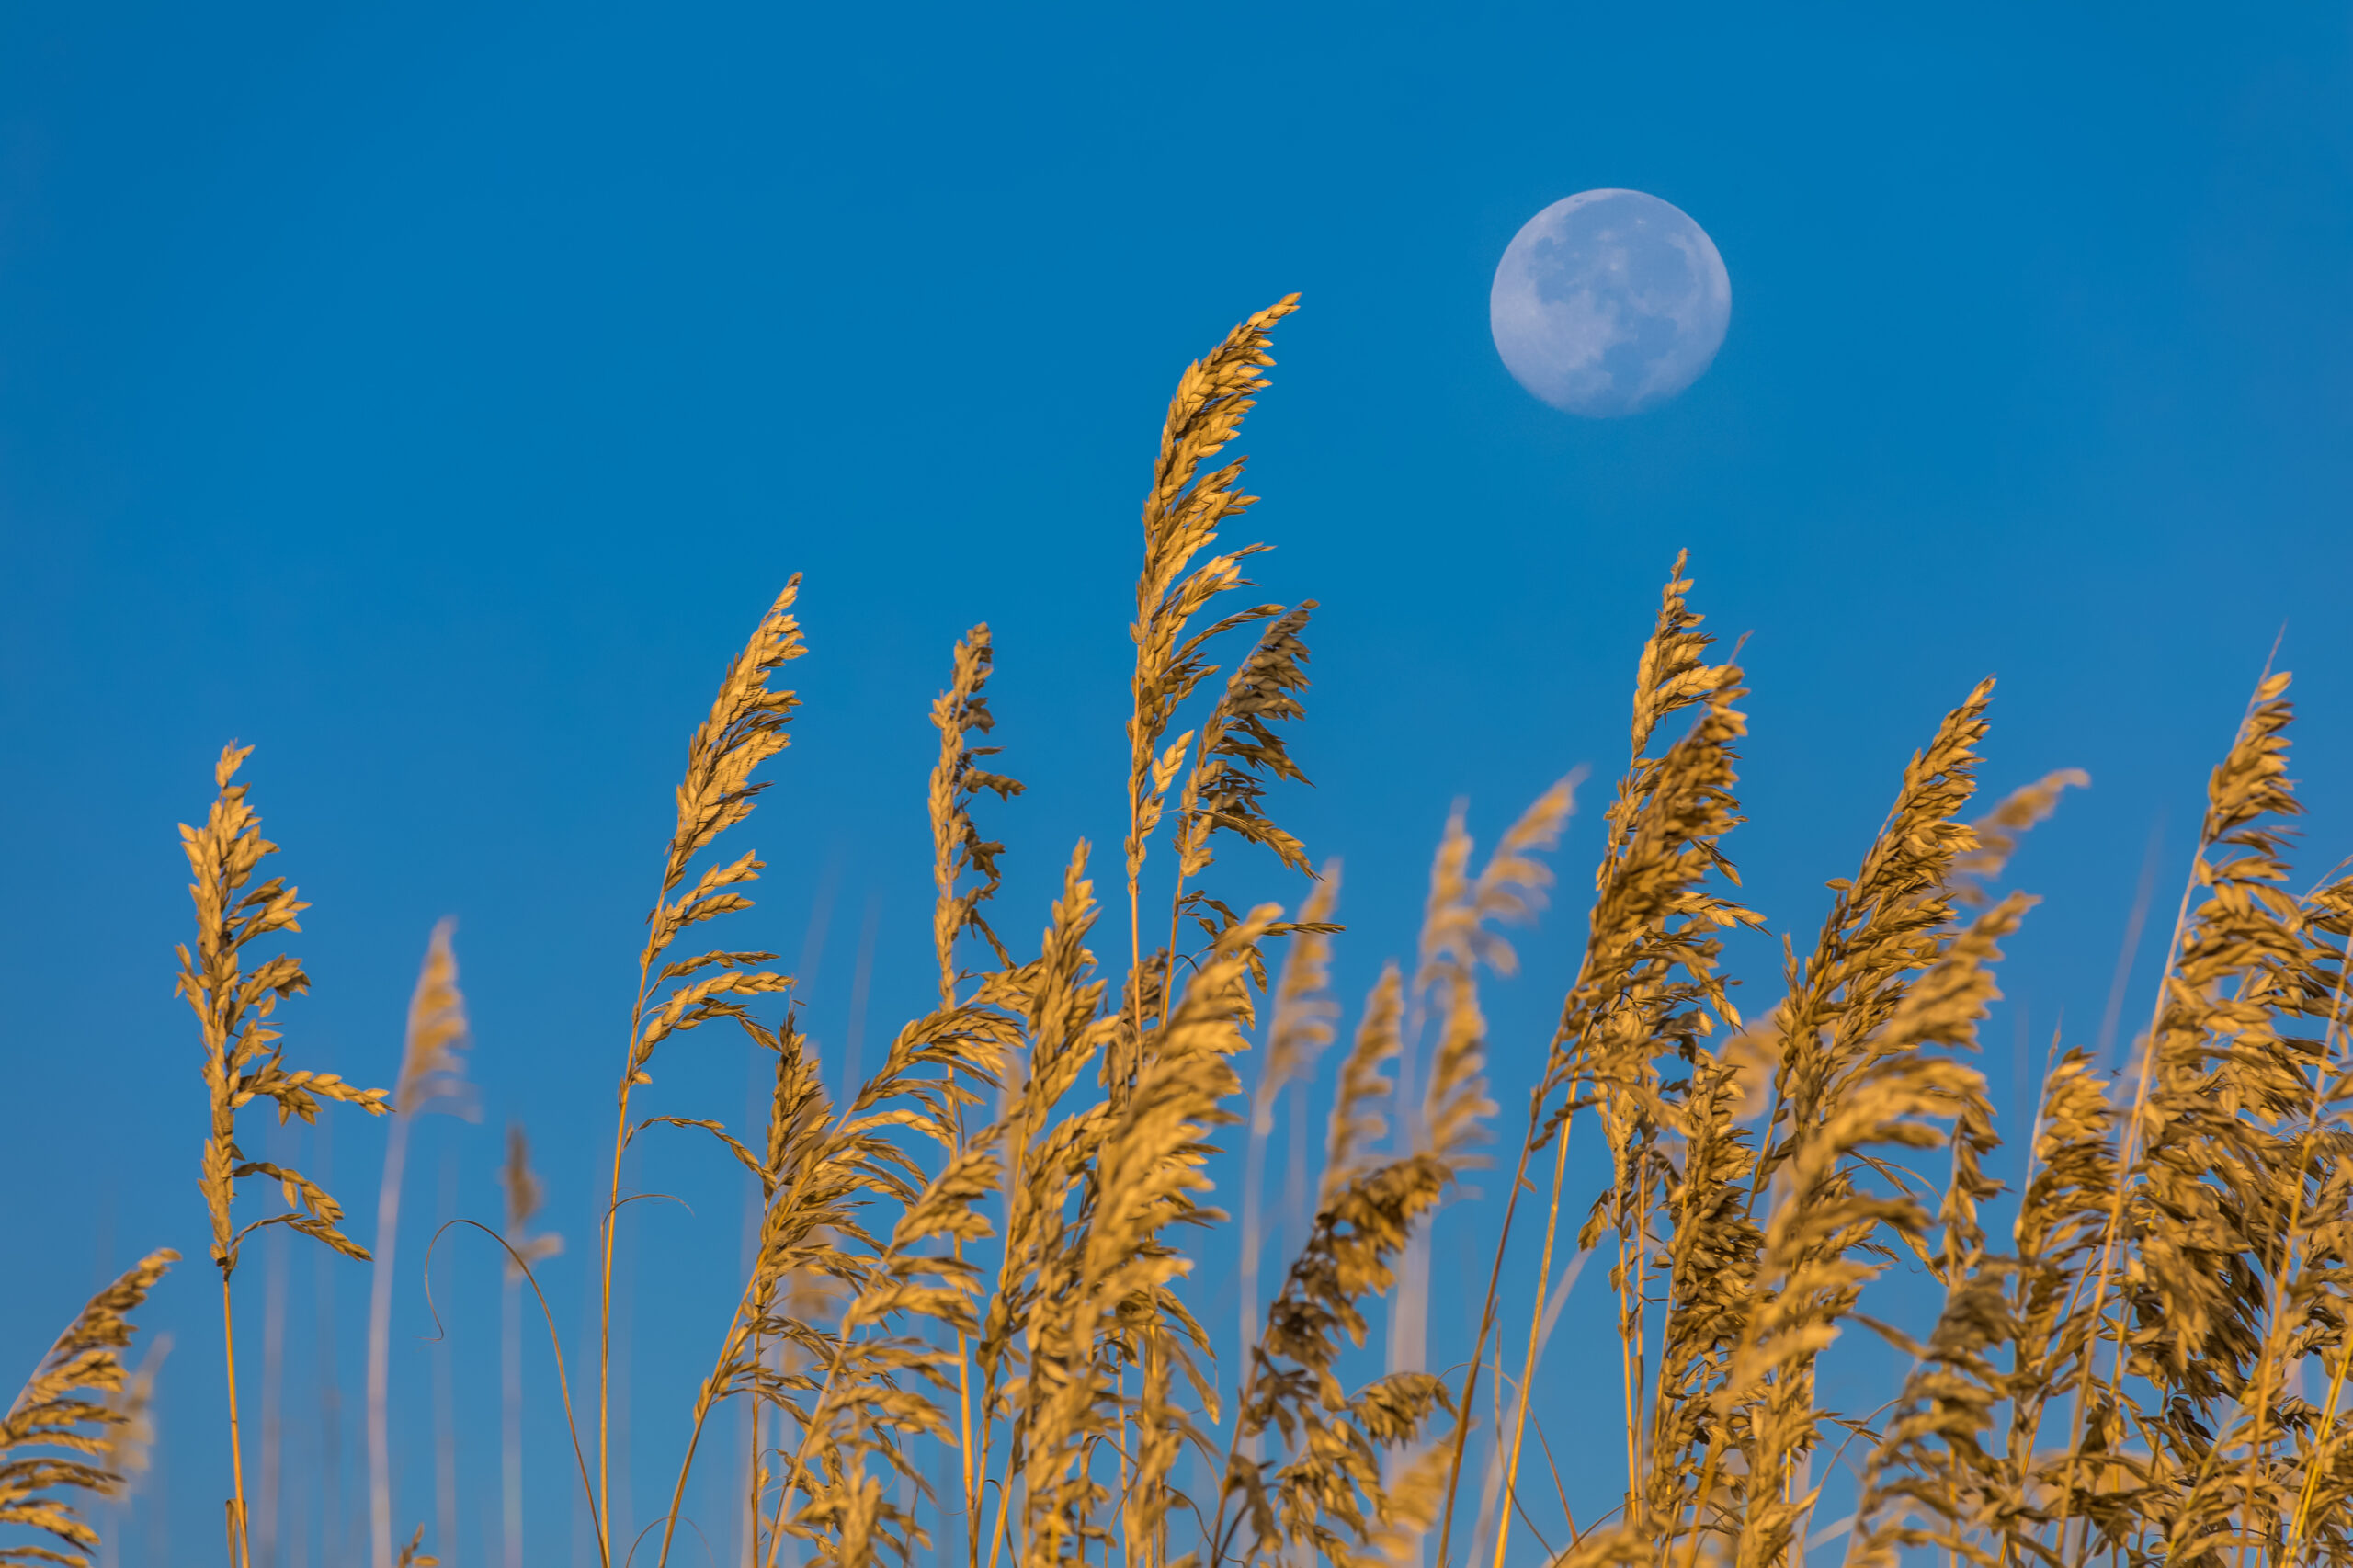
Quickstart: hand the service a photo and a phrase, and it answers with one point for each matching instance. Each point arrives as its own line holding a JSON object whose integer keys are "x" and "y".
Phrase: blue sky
{"x": 435, "y": 398}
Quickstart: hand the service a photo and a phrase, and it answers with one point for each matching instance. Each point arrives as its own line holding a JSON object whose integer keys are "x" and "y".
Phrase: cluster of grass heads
{"x": 972, "y": 1268}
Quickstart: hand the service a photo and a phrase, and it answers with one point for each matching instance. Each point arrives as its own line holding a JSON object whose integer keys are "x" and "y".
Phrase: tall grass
{"x": 965, "y": 1323}
{"x": 432, "y": 1077}
{"x": 244, "y": 1061}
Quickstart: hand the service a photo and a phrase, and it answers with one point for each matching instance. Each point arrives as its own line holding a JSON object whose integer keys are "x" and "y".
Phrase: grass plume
{"x": 70, "y": 1429}
{"x": 244, "y": 1057}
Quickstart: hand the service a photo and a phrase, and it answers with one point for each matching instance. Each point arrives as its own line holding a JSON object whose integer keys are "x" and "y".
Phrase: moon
{"x": 1609, "y": 302}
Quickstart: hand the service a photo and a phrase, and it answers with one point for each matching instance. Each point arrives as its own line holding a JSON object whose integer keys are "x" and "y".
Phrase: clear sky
{"x": 435, "y": 395}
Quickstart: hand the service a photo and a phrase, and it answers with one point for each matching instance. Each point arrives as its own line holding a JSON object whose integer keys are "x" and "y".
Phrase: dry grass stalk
{"x": 1854, "y": 1083}
{"x": 1458, "y": 938}
{"x": 958, "y": 850}
{"x": 745, "y": 727}
{"x": 244, "y": 1059}
{"x": 956, "y": 779}
{"x": 1237, "y": 752}
{"x": 1181, "y": 515}
{"x": 1652, "y": 920}
{"x": 432, "y": 1077}
{"x": 64, "y": 1434}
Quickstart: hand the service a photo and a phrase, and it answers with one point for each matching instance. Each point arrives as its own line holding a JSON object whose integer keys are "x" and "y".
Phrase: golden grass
{"x": 243, "y": 1060}
{"x": 57, "y": 1439}
{"x": 965, "y": 1325}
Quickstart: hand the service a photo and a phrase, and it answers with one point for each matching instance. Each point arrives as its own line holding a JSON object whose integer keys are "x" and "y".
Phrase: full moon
{"x": 1609, "y": 302}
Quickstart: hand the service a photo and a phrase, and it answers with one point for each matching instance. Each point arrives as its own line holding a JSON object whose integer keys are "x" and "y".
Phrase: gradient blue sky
{"x": 435, "y": 396}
